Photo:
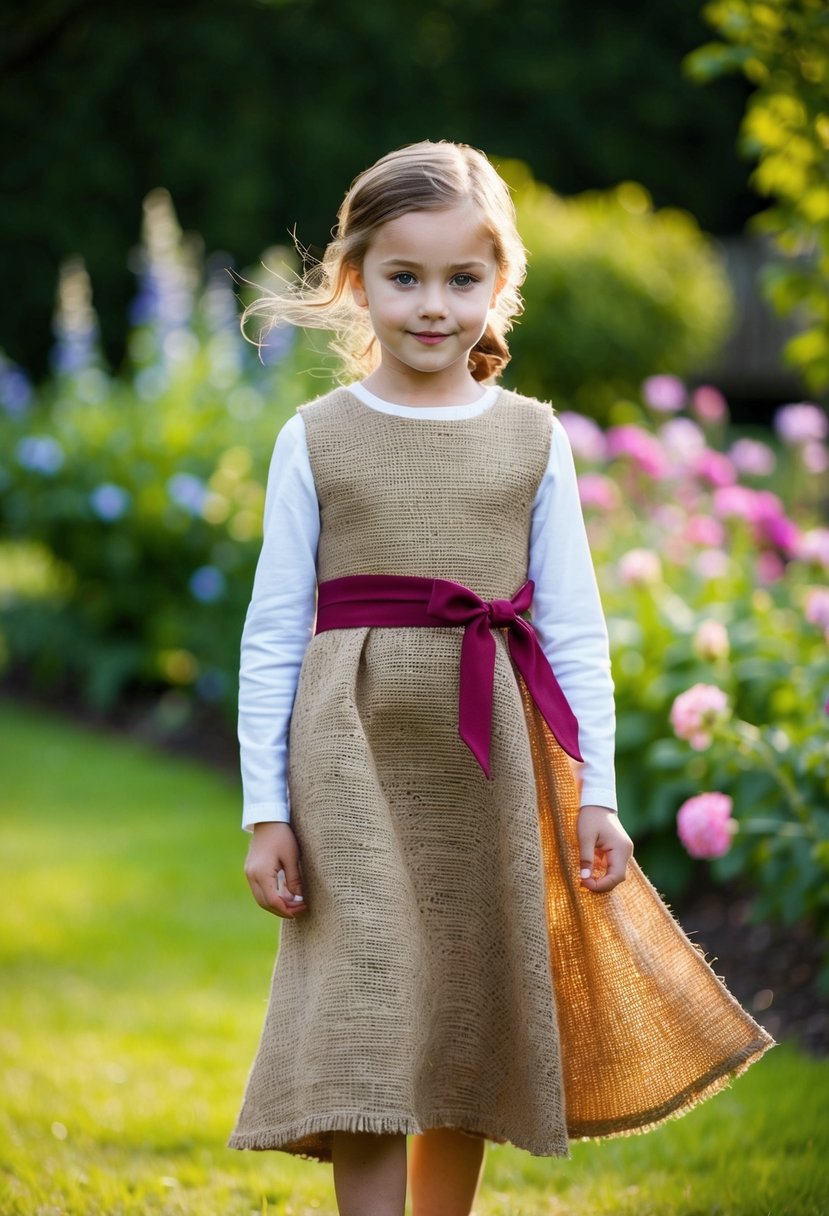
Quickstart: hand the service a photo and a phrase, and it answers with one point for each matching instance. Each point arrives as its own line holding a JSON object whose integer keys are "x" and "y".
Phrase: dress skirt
{"x": 450, "y": 970}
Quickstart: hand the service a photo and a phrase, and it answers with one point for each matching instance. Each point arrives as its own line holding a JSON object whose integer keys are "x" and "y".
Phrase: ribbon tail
{"x": 525, "y": 651}
{"x": 477, "y": 676}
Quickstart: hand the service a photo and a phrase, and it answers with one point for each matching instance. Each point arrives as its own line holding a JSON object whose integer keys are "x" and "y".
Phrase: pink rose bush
{"x": 694, "y": 713}
{"x": 705, "y": 826}
{"x": 710, "y": 556}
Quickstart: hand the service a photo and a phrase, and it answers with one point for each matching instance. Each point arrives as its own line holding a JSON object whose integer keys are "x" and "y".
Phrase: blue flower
{"x": 15, "y": 390}
{"x": 188, "y": 492}
{"x": 40, "y": 454}
{"x": 207, "y": 584}
{"x": 109, "y": 502}
{"x": 211, "y": 685}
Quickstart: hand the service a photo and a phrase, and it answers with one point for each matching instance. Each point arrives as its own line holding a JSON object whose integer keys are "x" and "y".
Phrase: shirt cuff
{"x": 595, "y": 795}
{"x": 264, "y": 812}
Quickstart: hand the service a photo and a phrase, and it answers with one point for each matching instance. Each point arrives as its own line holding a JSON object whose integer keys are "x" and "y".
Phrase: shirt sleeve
{"x": 569, "y": 621}
{"x": 278, "y": 626}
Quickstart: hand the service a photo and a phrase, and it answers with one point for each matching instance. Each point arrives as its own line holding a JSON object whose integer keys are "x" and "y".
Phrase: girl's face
{"x": 428, "y": 280}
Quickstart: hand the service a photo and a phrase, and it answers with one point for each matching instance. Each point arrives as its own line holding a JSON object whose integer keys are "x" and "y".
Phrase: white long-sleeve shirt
{"x": 566, "y": 612}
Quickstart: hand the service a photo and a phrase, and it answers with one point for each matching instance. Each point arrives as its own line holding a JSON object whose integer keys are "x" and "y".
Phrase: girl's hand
{"x": 602, "y": 840}
{"x": 272, "y": 870}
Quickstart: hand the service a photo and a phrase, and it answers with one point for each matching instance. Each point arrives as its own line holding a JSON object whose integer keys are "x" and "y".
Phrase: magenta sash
{"x": 392, "y": 600}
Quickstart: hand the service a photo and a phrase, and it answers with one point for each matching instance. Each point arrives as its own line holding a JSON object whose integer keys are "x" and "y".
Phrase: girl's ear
{"x": 358, "y": 291}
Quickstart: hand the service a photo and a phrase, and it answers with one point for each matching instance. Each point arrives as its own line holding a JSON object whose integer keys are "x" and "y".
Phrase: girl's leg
{"x": 369, "y": 1174}
{"x": 445, "y": 1167}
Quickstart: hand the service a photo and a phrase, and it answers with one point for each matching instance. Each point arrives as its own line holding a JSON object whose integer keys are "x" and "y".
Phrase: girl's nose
{"x": 432, "y": 304}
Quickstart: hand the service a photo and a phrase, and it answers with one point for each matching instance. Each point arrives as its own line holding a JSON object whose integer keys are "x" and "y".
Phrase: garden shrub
{"x": 615, "y": 291}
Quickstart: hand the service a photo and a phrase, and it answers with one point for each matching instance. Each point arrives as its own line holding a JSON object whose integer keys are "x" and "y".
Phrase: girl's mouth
{"x": 430, "y": 339}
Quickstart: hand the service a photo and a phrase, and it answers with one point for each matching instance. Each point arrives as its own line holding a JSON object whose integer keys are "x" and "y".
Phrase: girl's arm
{"x": 568, "y": 617}
{"x": 278, "y": 627}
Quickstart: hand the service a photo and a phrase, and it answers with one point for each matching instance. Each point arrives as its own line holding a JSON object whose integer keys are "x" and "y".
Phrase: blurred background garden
{"x": 670, "y": 166}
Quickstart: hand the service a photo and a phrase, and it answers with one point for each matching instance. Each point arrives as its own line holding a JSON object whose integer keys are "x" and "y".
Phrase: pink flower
{"x": 770, "y": 568}
{"x": 595, "y": 490}
{"x": 813, "y": 547}
{"x": 711, "y": 564}
{"x": 815, "y": 457}
{"x": 705, "y": 826}
{"x": 817, "y": 608}
{"x": 739, "y": 501}
{"x": 682, "y": 438}
{"x": 772, "y": 525}
{"x": 639, "y": 568}
{"x": 711, "y": 640}
{"x": 800, "y": 423}
{"x": 667, "y": 394}
{"x": 752, "y": 457}
{"x": 708, "y": 404}
{"x": 642, "y": 449}
{"x": 696, "y": 711}
{"x": 586, "y": 437}
{"x": 704, "y": 530}
{"x": 714, "y": 467}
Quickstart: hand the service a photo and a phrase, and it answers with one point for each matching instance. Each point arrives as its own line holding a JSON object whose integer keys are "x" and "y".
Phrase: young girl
{"x": 468, "y": 951}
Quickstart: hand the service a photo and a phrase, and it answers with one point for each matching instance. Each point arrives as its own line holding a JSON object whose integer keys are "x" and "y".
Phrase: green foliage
{"x": 136, "y": 503}
{"x": 782, "y": 48}
{"x": 257, "y": 116}
{"x": 134, "y": 967}
{"x": 615, "y": 292}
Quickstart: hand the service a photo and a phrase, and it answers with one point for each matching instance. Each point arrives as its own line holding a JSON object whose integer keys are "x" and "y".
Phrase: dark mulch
{"x": 772, "y": 970}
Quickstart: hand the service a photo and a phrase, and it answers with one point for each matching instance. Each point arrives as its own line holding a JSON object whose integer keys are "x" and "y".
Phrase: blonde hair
{"x": 424, "y": 176}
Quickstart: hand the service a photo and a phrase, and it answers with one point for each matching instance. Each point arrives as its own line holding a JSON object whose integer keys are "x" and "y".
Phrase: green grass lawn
{"x": 135, "y": 969}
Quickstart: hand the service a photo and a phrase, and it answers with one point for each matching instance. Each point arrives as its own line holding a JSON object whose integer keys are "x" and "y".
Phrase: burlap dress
{"x": 450, "y": 969}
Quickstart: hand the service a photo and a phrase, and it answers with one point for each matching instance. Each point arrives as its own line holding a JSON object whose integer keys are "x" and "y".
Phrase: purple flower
{"x": 644, "y": 450}
{"x": 666, "y": 394}
{"x": 753, "y": 458}
{"x": 705, "y": 826}
{"x": 40, "y": 454}
{"x": 109, "y": 501}
{"x": 586, "y": 437}
{"x": 802, "y": 422}
{"x": 709, "y": 404}
{"x": 207, "y": 584}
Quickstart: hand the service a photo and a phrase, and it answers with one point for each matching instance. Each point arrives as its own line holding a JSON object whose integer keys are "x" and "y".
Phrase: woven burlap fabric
{"x": 420, "y": 989}
{"x": 647, "y": 1029}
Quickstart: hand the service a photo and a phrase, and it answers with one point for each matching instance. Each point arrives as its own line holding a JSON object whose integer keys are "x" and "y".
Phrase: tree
{"x": 782, "y": 48}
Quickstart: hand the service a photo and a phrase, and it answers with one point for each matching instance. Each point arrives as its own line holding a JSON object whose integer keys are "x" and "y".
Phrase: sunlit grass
{"x": 135, "y": 970}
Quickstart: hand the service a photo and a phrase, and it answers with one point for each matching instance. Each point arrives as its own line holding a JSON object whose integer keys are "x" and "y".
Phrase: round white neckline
{"x": 433, "y": 413}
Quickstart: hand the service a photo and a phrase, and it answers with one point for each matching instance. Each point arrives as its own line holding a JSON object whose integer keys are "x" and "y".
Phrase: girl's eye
{"x": 464, "y": 280}
{"x": 403, "y": 278}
